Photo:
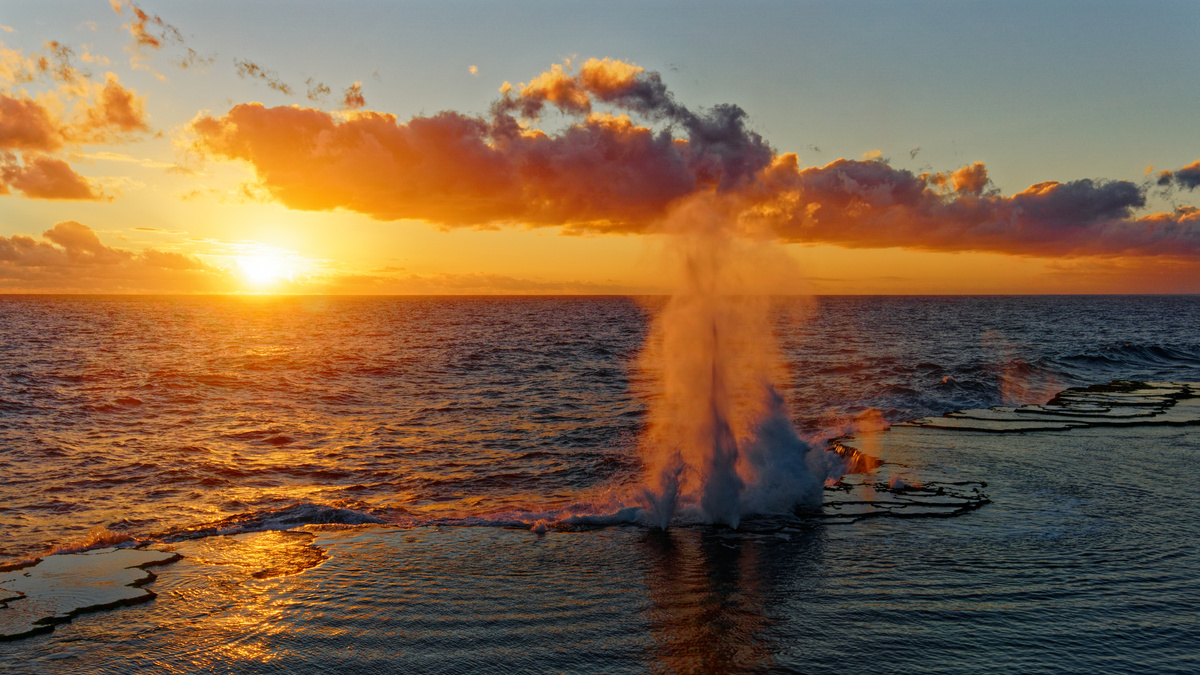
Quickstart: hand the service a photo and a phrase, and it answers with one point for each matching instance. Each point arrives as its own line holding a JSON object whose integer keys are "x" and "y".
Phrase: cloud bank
{"x": 70, "y": 256}
{"x": 630, "y": 153}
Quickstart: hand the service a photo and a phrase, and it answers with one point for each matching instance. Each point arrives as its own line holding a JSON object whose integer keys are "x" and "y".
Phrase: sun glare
{"x": 264, "y": 269}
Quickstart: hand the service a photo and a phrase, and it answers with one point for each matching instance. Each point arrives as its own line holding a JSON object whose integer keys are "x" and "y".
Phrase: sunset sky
{"x": 485, "y": 147}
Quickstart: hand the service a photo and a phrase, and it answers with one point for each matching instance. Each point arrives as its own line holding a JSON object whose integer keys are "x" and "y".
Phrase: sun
{"x": 261, "y": 270}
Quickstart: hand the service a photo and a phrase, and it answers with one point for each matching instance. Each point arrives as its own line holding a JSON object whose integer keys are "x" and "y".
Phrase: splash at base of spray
{"x": 720, "y": 445}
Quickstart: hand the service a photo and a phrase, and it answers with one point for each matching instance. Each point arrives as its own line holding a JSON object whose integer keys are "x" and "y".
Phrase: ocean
{"x": 403, "y": 465}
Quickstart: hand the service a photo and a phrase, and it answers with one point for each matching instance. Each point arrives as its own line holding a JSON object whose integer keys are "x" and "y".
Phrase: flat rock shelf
{"x": 36, "y": 597}
{"x": 1119, "y": 403}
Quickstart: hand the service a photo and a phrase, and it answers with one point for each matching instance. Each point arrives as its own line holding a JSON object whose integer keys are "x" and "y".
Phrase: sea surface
{"x": 189, "y": 421}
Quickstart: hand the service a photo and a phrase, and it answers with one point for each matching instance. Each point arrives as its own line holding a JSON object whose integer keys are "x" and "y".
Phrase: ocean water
{"x": 196, "y": 421}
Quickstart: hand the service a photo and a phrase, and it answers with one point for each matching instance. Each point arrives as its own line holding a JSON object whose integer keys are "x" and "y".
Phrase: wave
{"x": 1134, "y": 356}
{"x": 289, "y": 517}
{"x": 97, "y": 537}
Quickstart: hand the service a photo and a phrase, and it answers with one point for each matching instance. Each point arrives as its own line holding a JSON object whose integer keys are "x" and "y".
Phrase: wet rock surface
{"x": 855, "y": 500}
{"x": 34, "y": 598}
{"x": 1118, "y": 403}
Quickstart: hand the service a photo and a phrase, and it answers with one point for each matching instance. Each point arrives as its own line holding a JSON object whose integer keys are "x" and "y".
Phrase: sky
{"x": 546, "y": 147}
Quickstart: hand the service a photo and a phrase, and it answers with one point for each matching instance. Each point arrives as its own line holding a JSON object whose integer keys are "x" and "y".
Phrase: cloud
{"x": 70, "y": 256}
{"x": 352, "y": 98}
{"x": 970, "y": 179}
{"x": 73, "y": 111}
{"x": 603, "y": 173}
{"x": 88, "y": 57}
{"x": 30, "y": 129}
{"x": 193, "y": 59}
{"x": 58, "y": 64}
{"x": 42, "y": 177}
{"x": 54, "y": 63}
{"x": 150, "y": 32}
{"x": 80, "y": 244}
{"x": 630, "y": 154}
{"x": 607, "y": 80}
{"x": 114, "y": 111}
{"x": 721, "y": 149}
{"x": 26, "y": 124}
{"x": 1187, "y": 177}
{"x": 452, "y": 169}
{"x": 102, "y": 113}
{"x": 873, "y": 205}
{"x": 15, "y": 67}
{"x": 316, "y": 90}
{"x": 271, "y": 78}
{"x": 118, "y": 157}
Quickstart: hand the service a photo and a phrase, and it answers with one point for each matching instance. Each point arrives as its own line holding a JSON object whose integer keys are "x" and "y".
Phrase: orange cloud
{"x": 71, "y": 256}
{"x": 61, "y": 68}
{"x": 608, "y": 173}
{"x": 115, "y": 110}
{"x": 26, "y": 124}
{"x": 150, "y": 35}
{"x": 606, "y": 80}
{"x": 75, "y": 112}
{"x": 110, "y": 112}
{"x": 352, "y": 98}
{"x": 149, "y": 31}
{"x": 16, "y": 68}
{"x": 29, "y": 129}
{"x": 606, "y": 77}
{"x": 54, "y": 63}
{"x": 970, "y": 179}
{"x": 81, "y": 245}
{"x": 602, "y": 173}
{"x": 558, "y": 87}
{"x": 42, "y": 177}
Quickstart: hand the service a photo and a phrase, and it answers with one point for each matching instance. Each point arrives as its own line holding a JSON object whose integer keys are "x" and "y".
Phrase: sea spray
{"x": 719, "y": 445}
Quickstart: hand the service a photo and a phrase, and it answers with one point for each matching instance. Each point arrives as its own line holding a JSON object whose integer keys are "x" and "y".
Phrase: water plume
{"x": 720, "y": 444}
